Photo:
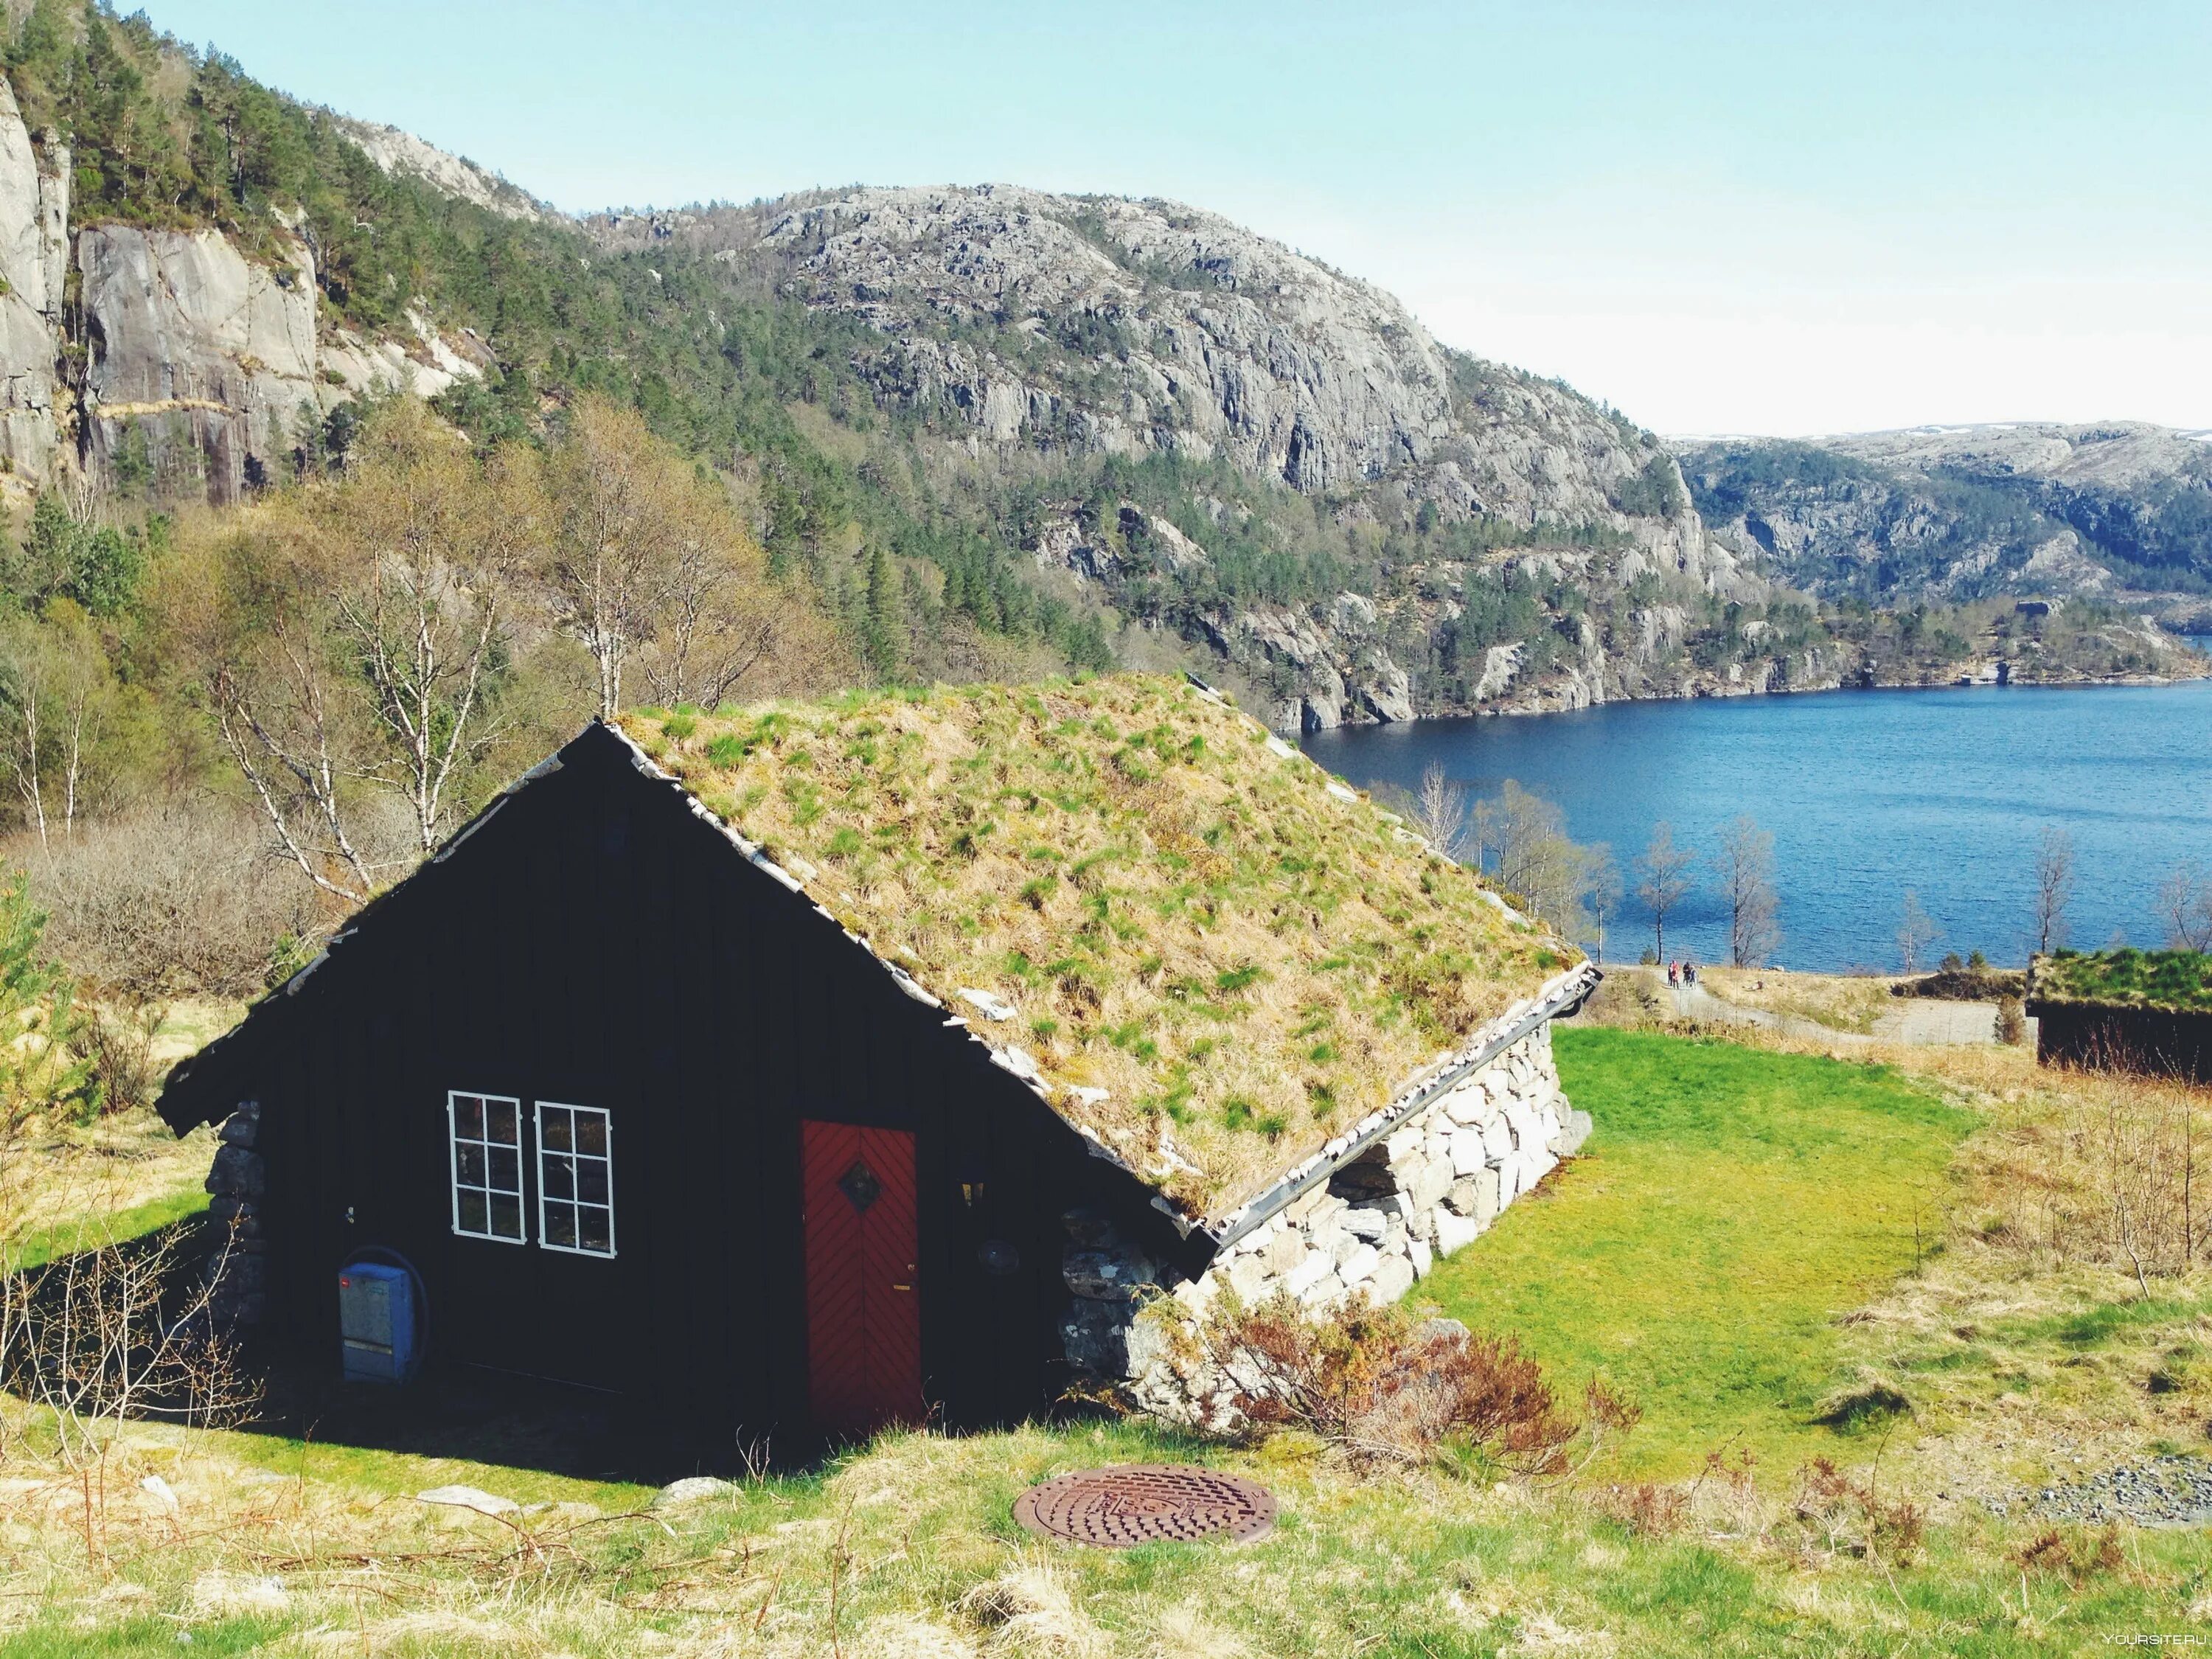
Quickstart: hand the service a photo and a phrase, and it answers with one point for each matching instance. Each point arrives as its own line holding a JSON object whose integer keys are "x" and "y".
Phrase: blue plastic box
{"x": 377, "y": 1322}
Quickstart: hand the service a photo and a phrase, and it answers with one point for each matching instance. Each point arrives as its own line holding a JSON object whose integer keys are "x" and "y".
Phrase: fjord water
{"x": 1868, "y": 793}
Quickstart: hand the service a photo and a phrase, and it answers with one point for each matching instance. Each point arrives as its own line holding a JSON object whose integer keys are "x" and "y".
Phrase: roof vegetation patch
{"x": 2180, "y": 981}
{"x": 1217, "y": 962}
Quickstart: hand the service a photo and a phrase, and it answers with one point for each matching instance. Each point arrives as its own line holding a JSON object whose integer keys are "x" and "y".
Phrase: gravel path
{"x": 2166, "y": 1491}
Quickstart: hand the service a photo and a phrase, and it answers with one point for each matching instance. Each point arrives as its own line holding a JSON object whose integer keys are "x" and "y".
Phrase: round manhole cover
{"x": 1139, "y": 1503}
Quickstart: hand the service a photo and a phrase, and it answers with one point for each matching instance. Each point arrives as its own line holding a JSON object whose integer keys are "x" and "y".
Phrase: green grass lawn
{"x": 1731, "y": 1205}
{"x": 92, "y": 1232}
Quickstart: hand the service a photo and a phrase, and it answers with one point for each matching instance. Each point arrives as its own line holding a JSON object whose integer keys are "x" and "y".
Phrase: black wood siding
{"x": 595, "y": 943}
{"x": 2150, "y": 1040}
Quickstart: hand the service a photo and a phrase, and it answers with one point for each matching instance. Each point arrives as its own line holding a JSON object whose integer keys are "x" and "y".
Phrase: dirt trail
{"x": 1921, "y": 1021}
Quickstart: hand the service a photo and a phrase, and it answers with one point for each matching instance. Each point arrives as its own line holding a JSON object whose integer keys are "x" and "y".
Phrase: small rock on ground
{"x": 694, "y": 1489}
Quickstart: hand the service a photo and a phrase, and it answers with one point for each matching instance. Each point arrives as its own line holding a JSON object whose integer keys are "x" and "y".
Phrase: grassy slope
{"x": 1732, "y": 1203}
{"x": 2149, "y": 979}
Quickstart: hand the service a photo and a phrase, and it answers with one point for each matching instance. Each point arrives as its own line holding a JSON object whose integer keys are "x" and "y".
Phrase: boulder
{"x": 1392, "y": 1279}
{"x": 693, "y": 1489}
{"x": 1452, "y": 1231}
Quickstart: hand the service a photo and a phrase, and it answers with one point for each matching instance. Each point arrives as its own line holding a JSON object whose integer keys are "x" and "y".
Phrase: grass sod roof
{"x": 2178, "y": 981}
{"x": 1219, "y": 956}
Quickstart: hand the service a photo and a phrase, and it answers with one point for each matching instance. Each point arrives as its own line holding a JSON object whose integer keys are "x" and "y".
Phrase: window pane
{"x": 591, "y": 1133}
{"x": 555, "y": 1129}
{"x": 469, "y": 1166}
{"x": 592, "y": 1180}
{"x": 593, "y": 1228}
{"x": 468, "y": 1117}
{"x": 506, "y": 1170}
{"x": 499, "y": 1121}
{"x": 472, "y": 1212}
{"x": 560, "y": 1224}
{"x": 506, "y": 1216}
{"x": 559, "y": 1175}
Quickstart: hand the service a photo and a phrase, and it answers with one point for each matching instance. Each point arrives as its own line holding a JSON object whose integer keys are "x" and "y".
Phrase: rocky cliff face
{"x": 167, "y": 349}
{"x": 2120, "y": 510}
{"x": 1029, "y": 324}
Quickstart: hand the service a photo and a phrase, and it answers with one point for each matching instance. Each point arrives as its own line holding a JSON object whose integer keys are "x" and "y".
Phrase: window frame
{"x": 520, "y": 1194}
{"x": 537, "y": 1123}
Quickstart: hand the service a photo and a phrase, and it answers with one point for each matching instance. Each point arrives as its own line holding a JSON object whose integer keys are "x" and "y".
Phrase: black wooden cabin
{"x": 644, "y": 1120}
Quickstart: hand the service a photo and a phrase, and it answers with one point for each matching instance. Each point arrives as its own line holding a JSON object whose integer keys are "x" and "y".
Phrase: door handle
{"x": 902, "y": 1287}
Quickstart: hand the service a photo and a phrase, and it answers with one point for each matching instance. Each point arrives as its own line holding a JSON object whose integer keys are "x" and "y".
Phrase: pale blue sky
{"x": 1787, "y": 218}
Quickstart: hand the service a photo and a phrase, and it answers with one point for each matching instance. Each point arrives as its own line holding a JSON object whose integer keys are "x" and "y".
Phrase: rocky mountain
{"x": 1002, "y": 431}
{"x": 2119, "y": 511}
{"x": 1043, "y": 331}
{"x": 124, "y": 346}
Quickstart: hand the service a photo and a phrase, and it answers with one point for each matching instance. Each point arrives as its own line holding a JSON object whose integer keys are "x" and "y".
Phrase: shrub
{"x": 172, "y": 902}
{"x": 1381, "y": 1386}
{"x": 2012, "y": 1021}
{"x": 1854, "y": 1519}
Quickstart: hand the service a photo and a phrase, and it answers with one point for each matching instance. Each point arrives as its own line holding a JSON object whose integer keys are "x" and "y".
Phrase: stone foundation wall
{"x": 237, "y": 1270}
{"x": 1376, "y": 1227}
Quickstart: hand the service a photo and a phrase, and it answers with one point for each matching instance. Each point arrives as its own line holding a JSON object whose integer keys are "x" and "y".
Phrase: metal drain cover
{"x": 1140, "y": 1503}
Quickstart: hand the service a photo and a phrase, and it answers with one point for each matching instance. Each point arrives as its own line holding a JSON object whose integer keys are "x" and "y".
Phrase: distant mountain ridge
{"x": 2117, "y": 510}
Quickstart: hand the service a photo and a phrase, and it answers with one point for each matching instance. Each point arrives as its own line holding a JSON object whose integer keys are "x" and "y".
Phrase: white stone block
{"x": 1428, "y": 1183}
{"x": 1453, "y": 1232}
{"x": 1522, "y": 1122}
{"x": 1422, "y": 1256}
{"x": 1497, "y": 1138}
{"x": 1359, "y": 1264}
{"x": 1196, "y": 1294}
{"x": 1467, "y": 1104}
{"x": 1393, "y": 1277}
{"x": 1468, "y": 1154}
{"x": 1403, "y": 1144}
{"x": 1316, "y": 1265}
{"x": 1368, "y": 1223}
{"x": 1322, "y": 1291}
{"x": 1249, "y": 1279}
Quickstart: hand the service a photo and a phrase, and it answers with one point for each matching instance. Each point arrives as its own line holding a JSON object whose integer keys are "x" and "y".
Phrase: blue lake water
{"x": 1868, "y": 793}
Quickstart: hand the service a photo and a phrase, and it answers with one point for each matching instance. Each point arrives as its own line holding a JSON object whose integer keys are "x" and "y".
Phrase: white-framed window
{"x": 485, "y": 1137}
{"x": 575, "y": 1179}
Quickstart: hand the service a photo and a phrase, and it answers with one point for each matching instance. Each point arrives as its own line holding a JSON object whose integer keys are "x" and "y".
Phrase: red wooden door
{"x": 863, "y": 1303}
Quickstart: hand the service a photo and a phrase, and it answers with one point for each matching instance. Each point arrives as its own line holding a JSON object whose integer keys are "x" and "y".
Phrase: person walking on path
{"x": 1673, "y": 975}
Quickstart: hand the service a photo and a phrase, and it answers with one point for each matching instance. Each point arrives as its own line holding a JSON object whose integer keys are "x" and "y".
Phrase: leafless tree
{"x": 1604, "y": 879}
{"x": 618, "y": 512}
{"x": 1916, "y": 931}
{"x": 2054, "y": 889}
{"x": 1440, "y": 811}
{"x": 2185, "y": 906}
{"x": 718, "y": 627}
{"x": 58, "y": 693}
{"x": 427, "y": 548}
{"x": 1745, "y": 864}
{"x": 1533, "y": 855}
{"x": 1664, "y": 879}
{"x": 347, "y": 638}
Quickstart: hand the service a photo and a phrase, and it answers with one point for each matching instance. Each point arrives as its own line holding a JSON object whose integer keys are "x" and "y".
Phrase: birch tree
{"x": 1744, "y": 861}
{"x": 2054, "y": 889}
{"x": 1664, "y": 878}
{"x": 618, "y": 520}
{"x": 351, "y": 641}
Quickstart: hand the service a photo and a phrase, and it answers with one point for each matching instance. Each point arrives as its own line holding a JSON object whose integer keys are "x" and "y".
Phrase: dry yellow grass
{"x": 1232, "y": 962}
